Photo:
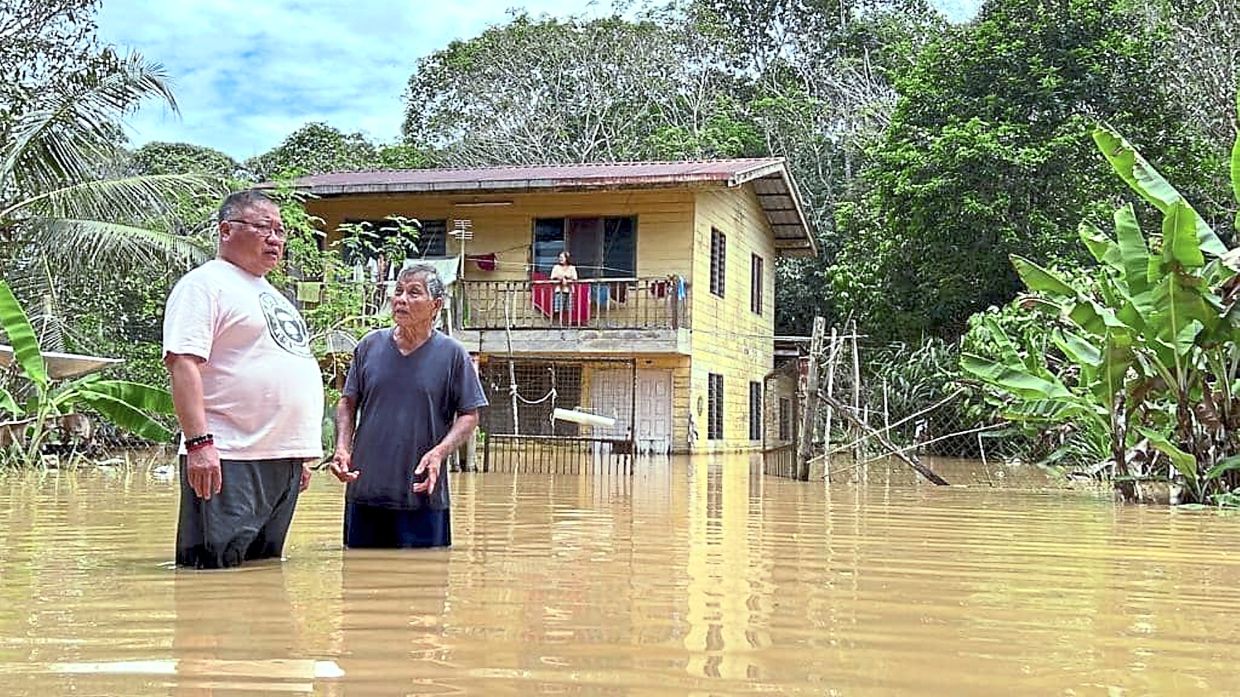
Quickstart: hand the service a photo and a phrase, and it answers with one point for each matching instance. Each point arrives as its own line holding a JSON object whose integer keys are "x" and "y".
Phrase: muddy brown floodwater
{"x": 696, "y": 577}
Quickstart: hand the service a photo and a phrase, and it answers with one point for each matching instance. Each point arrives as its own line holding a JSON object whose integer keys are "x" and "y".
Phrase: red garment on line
{"x": 485, "y": 262}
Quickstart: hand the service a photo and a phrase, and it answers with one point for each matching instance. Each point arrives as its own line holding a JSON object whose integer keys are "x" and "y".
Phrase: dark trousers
{"x": 247, "y": 520}
{"x": 372, "y": 527}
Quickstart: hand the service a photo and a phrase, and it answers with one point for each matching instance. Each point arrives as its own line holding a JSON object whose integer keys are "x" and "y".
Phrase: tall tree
{"x": 315, "y": 148}
{"x": 820, "y": 85}
{"x": 182, "y": 158}
{"x": 68, "y": 208}
{"x": 1205, "y": 38}
{"x": 574, "y": 90}
{"x": 988, "y": 154}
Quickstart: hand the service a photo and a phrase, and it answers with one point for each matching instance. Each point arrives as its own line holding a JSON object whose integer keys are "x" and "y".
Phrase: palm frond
{"x": 66, "y": 139}
{"x": 142, "y": 197}
{"x": 85, "y": 246}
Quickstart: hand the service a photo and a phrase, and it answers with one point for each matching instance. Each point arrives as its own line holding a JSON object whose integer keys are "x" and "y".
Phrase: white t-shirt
{"x": 261, "y": 384}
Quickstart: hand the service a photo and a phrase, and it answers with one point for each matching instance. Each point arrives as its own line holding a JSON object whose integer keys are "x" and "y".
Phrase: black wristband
{"x": 199, "y": 440}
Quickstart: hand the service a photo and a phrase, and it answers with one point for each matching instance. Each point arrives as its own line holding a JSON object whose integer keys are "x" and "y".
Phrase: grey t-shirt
{"x": 405, "y": 406}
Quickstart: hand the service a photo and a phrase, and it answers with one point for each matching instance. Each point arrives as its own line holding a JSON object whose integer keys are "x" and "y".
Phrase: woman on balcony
{"x": 563, "y": 275}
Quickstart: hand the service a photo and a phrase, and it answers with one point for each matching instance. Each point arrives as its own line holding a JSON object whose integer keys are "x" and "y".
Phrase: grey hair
{"x": 238, "y": 201}
{"x": 430, "y": 277}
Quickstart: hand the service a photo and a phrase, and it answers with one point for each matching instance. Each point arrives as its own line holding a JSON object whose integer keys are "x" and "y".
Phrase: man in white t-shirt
{"x": 247, "y": 391}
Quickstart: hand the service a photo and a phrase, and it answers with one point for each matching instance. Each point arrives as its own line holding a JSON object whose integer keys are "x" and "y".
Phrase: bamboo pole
{"x": 932, "y": 407}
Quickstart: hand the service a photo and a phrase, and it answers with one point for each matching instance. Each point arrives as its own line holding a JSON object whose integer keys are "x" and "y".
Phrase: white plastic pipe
{"x": 582, "y": 417}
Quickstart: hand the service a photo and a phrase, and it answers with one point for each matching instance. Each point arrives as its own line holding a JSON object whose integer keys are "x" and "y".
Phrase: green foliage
{"x": 988, "y": 155}
{"x": 57, "y": 198}
{"x": 1144, "y": 360}
{"x": 183, "y": 158}
{"x": 316, "y": 148}
{"x": 131, "y": 406}
{"x": 341, "y": 302}
{"x": 623, "y": 90}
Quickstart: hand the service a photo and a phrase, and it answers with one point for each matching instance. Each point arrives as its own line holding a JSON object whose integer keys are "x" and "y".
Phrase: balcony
{"x": 614, "y": 315}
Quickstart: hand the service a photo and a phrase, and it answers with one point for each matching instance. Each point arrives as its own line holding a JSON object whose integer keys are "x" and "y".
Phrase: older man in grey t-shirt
{"x": 411, "y": 398}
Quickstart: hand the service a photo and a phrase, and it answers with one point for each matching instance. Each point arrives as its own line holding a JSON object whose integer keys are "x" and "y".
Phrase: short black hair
{"x": 239, "y": 201}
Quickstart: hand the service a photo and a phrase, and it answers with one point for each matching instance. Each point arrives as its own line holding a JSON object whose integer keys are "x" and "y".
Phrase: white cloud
{"x": 246, "y": 73}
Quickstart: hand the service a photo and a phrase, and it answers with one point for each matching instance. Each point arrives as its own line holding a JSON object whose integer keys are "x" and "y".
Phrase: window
{"x": 785, "y": 418}
{"x": 718, "y": 260}
{"x": 600, "y": 247}
{"x": 755, "y": 285}
{"x": 714, "y": 402}
{"x": 433, "y": 238}
{"x": 431, "y": 242}
{"x": 755, "y": 410}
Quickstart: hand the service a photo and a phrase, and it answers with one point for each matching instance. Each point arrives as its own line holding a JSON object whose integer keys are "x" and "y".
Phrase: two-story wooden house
{"x": 670, "y": 328}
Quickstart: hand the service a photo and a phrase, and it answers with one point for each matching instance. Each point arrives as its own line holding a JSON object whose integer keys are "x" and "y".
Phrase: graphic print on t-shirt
{"x": 286, "y": 326}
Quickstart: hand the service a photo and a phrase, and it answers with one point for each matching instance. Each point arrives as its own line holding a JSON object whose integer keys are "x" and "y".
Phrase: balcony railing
{"x": 613, "y": 303}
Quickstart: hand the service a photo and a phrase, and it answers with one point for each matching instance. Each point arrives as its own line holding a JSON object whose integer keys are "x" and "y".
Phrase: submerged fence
{"x": 892, "y": 400}
{"x": 521, "y": 434}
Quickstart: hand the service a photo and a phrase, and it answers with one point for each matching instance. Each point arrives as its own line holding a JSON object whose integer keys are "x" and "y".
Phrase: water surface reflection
{"x": 690, "y": 578}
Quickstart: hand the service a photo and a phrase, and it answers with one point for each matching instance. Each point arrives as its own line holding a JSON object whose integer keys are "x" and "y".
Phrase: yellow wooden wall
{"x": 664, "y": 223}
{"x": 728, "y": 338}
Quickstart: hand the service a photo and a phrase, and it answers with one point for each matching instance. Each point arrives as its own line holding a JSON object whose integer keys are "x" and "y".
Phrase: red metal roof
{"x": 538, "y": 176}
{"x": 769, "y": 175}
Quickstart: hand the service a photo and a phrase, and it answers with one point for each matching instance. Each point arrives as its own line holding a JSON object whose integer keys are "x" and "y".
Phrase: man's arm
{"x": 431, "y": 463}
{"x": 342, "y": 461}
{"x": 202, "y": 464}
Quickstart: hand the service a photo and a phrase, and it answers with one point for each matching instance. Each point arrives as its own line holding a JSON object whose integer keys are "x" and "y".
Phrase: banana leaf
{"x": 125, "y": 416}
{"x": 8, "y": 404}
{"x": 21, "y": 336}
{"x": 1180, "y": 243}
{"x": 1076, "y": 347}
{"x": 1014, "y": 378}
{"x": 1227, "y": 464}
{"x": 1132, "y": 250}
{"x": 1184, "y": 463}
{"x": 1039, "y": 279}
{"x": 152, "y": 400}
{"x": 1235, "y": 167}
{"x": 1146, "y": 181}
{"x": 1101, "y": 247}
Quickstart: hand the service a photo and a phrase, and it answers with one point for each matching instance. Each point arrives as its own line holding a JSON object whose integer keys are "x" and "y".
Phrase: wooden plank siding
{"x": 728, "y": 338}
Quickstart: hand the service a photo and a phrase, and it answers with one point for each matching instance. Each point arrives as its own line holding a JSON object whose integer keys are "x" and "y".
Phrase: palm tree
{"x": 68, "y": 207}
{"x": 63, "y": 196}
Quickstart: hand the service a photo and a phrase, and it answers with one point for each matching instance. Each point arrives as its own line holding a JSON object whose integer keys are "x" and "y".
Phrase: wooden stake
{"x": 856, "y": 354}
{"x": 805, "y": 447}
{"x": 833, "y": 355}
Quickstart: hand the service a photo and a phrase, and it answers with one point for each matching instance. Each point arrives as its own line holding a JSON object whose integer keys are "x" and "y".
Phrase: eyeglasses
{"x": 264, "y": 229}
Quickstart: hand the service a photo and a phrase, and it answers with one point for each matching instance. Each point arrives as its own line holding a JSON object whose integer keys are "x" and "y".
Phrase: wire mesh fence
{"x": 552, "y": 415}
{"x": 886, "y": 401}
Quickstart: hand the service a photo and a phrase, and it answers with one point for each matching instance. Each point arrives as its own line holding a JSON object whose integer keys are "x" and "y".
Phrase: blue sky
{"x": 246, "y": 73}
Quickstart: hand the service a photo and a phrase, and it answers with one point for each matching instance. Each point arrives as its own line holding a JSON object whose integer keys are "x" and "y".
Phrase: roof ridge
{"x": 578, "y": 165}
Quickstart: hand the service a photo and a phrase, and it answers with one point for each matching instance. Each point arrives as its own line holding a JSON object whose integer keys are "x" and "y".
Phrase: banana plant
{"x": 130, "y": 406}
{"x": 1148, "y": 351}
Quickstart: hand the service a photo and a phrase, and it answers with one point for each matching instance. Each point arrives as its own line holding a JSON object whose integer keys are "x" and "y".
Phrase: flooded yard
{"x": 694, "y": 577}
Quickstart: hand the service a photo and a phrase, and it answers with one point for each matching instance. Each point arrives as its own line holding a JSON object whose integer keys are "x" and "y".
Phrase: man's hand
{"x": 430, "y": 464}
{"x": 341, "y": 466}
{"x": 202, "y": 468}
{"x": 307, "y": 470}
